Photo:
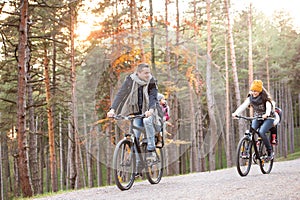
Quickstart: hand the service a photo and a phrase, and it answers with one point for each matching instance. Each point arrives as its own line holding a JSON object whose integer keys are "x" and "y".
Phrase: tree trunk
{"x": 250, "y": 60}
{"x": 291, "y": 121}
{"x": 209, "y": 95}
{"x": 229, "y": 136}
{"x": 74, "y": 158}
{"x": 33, "y": 151}
{"x": 41, "y": 146}
{"x": 88, "y": 150}
{"x": 193, "y": 156}
{"x": 99, "y": 166}
{"x": 61, "y": 153}
{"x": 152, "y": 38}
{"x": 234, "y": 68}
{"x": 23, "y": 60}
{"x": 52, "y": 153}
{"x": 5, "y": 183}
{"x": 140, "y": 37}
{"x": 2, "y": 183}
{"x": 198, "y": 90}
{"x": 108, "y": 156}
{"x": 167, "y": 41}
{"x": 286, "y": 117}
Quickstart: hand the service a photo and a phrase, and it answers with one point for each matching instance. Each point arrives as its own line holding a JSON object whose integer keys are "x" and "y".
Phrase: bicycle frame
{"x": 244, "y": 151}
{"x": 135, "y": 144}
{"x": 127, "y": 163}
{"x": 254, "y": 140}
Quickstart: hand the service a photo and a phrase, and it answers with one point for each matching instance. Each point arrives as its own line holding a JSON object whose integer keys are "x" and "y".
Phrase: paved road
{"x": 282, "y": 183}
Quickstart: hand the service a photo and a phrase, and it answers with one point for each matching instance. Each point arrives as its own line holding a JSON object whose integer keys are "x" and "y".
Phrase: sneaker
{"x": 138, "y": 175}
{"x": 245, "y": 155}
{"x": 151, "y": 156}
{"x": 274, "y": 141}
{"x": 269, "y": 157}
{"x": 159, "y": 144}
{"x": 159, "y": 140}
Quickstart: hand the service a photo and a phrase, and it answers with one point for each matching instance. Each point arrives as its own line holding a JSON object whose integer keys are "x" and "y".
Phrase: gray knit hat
{"x": 159, "y": 96}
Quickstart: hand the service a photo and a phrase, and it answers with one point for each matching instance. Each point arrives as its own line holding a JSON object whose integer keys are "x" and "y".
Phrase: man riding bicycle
{"x": 138, "y": 95}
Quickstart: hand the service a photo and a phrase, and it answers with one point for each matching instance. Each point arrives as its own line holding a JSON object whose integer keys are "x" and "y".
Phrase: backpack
{"x": 279, "y": 112}
{"x": 159, "y": 121}
{"x": 160, "y": 113}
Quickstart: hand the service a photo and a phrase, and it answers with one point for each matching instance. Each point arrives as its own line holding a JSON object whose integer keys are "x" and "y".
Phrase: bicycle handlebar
{"x": 128, "y": 117}
{"x": 249, "y": 118}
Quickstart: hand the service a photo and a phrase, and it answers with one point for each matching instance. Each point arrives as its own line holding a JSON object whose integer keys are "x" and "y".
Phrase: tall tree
{"x": 139, "y": 29}
{"x": 250, "y": 59}
{"x": 23, "y": 63}
{"x": 73, "y": 158}
{"x": 209, "y": 95}
{"x": 233, "y": 63}
{"x": 229, "y": 136}
{"x": 198, "y": 90}
{"x": 52, "y": 152}
{"x": 152, "y": 38}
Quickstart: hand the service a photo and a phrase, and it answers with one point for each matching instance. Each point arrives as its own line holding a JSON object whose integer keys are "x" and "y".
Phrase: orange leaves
{"x": 194, "y": 78}
{"x": 127, "y": 61}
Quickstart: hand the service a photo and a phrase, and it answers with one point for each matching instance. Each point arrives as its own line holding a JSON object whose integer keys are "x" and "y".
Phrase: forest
{"x": 56, "y": 88}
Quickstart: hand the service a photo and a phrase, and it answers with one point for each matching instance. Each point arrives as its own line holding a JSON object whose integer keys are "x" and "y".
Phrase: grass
{"x": 292, "y": 156}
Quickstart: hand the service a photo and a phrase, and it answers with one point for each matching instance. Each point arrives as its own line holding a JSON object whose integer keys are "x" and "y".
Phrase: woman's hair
{"x": 266, "y": 95}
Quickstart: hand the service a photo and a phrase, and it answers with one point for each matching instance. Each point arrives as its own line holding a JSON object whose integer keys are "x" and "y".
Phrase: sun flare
{"x": 88, "y": 21}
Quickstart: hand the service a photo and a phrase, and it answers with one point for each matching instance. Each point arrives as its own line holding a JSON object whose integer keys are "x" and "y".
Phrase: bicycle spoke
{"x": 265, "y": 166}
{"x": 155, "y": 166}
{"x": 244, "y": 156}
{"x": 124, "y": 165}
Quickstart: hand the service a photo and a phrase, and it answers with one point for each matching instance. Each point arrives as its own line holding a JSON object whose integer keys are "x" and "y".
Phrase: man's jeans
{"x": 265, "y": 126}
{"x": 150, "y": 131}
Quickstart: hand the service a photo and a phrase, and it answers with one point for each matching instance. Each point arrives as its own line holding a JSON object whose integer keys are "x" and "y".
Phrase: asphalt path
{"x": 282, "y": 183}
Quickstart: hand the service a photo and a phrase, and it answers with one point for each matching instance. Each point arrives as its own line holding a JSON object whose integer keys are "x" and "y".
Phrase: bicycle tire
{"x": 265, "y": 167}
{"x": 124, "y": 165}
{"x": 154, "y": 169}
{"x": 244, "y": 156}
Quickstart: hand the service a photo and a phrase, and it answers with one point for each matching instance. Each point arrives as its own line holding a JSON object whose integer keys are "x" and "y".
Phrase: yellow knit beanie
{"x": 257, "y": 85}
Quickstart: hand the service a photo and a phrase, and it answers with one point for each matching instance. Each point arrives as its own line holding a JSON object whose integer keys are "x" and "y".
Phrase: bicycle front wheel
{"x": 124, "y": 165}
{"x": 155, "y": 166}
{"x": 244, "y": 156}
{"x": 265, "y": 166}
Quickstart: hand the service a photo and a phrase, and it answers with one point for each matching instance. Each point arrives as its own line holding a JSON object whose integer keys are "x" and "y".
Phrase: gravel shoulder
{"x": 282, "y": 183}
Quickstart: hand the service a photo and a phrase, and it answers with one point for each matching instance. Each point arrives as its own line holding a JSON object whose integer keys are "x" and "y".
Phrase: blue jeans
{"x": 265, "y": 126}
{"x": 150, "y": 131}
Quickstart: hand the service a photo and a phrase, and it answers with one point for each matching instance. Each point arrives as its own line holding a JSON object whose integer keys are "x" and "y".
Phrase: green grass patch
{"x": 291, "y": 156}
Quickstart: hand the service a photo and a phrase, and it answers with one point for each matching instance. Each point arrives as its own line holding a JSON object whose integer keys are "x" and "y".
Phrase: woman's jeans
{"x": 265, "y": 126}
{"x": 150, "y": 131}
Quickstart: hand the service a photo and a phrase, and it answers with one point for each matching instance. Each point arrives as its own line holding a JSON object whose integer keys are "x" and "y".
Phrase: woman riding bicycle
{"x": 260, "y": 100}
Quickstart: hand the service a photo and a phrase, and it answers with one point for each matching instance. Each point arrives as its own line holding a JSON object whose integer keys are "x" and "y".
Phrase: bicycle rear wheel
{"x": 265, "y": 166}
{"x": 154, "y": 167}
{"x": 124, "y": 165}
{"x": 244, "y": 156}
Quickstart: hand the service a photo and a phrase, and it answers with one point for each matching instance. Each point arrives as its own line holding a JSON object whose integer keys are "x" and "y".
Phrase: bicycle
{"x": 125, "y": 157}
{"x": 244, "y": 151}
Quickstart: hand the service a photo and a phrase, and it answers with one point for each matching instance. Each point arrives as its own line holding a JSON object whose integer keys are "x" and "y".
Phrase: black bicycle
{"x": 131, "y": 157}
{"x": 244, "y": 151}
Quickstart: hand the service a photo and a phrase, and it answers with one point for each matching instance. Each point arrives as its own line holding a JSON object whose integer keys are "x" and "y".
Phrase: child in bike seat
{"x": 260, "y": 100}
{"x": 273, "y": 130}
{"x": 166, "y": 110}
